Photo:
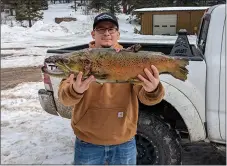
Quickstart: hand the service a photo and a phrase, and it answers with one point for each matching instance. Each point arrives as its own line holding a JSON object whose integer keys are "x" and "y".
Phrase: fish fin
{"x": 180, "y": 72}
{"x": 135, "y": 81}
{"x": 101, "y": 76}
{"x": 134, "y": 48}
{"x": 99, "y": 81}
{"x": 102, "y": 81}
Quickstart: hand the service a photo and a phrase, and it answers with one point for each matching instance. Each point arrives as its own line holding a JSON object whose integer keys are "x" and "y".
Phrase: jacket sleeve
{"x": 67, "y": 95}
{"x": 150, "y": 98}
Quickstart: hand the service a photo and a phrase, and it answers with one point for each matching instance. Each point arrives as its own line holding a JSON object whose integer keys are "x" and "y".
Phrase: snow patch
{"x": 49, "y": 29}
{"x": 29, "y": 135}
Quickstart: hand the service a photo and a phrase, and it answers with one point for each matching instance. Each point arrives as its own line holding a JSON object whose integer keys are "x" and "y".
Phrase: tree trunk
{"x": 124, "y": 8}
{"x": 11, "y": 12}
{"x": 30, "y": 22}
{"x": 75, "y": 4}
{"x": 124, "y": 4}
{"x": 29, "y": 16}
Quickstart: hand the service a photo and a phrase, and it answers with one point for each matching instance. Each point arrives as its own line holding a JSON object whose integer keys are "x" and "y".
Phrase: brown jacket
{"x": 107, "y": 114}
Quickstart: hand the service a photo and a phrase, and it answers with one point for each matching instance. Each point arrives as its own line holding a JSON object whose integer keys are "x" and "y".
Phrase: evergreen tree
{"x": 29, "y": 10}
{"x": 112, "y": 6}
{"x": 44, "y": 4}
{"x": 97, "y": 4}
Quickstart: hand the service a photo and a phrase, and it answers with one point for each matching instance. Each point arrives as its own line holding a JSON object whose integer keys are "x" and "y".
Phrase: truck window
{"x": 203, "y": 32}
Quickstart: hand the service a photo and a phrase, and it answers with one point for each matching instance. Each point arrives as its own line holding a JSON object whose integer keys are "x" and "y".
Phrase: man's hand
{"x": 153, "y": 79}
{"x": 78, "y": 85}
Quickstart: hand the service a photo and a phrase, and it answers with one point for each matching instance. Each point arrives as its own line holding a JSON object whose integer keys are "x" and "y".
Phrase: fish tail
{"x": 180, "y": 71}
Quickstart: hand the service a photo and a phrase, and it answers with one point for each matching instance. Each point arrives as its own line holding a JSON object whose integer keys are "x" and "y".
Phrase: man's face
{"x": 105, "y": 34}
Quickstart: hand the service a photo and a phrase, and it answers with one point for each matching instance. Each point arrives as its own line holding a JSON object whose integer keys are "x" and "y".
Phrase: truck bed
{"x": 182, "y": 48}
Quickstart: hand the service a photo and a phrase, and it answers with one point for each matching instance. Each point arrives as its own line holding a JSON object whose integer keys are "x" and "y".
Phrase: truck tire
{"x": 156, "y": 142}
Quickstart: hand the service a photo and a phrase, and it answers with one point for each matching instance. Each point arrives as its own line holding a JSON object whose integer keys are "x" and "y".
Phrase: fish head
{"x": 61, "y": 64}
{"x": 70, "y": 63}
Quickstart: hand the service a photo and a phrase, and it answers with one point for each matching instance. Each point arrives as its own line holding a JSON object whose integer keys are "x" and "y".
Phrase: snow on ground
{"x": 22, "y": 58}
{"x": 32, "y": 43}
{"x": 28, "y": 134}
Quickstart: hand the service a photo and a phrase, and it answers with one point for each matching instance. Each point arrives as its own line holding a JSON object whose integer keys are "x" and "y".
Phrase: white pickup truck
{"x": 193, "y": 110}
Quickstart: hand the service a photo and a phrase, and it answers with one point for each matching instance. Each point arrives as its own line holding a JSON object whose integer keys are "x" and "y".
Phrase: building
{"x": 169, "y": 20}
{"x": 9, "y": 11}
{"x": 8, "y": 7}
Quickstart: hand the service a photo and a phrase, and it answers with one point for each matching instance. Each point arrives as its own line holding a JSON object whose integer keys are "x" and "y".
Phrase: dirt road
{"x": 10, "y": 77}
{"x": 193, "y": 154}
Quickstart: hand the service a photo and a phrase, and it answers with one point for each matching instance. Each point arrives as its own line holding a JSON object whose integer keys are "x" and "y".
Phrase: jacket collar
{"x": 92, "y": 45}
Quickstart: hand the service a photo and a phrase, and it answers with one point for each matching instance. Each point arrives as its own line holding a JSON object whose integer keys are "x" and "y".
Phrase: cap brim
{"x": 110, "y": 20}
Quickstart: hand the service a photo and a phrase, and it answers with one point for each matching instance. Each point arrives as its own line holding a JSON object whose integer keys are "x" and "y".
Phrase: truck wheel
{"x": 156, "y": 142}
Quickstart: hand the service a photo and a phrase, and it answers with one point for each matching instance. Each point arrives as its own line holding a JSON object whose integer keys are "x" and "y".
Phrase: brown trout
{"x": 109, "y": 66}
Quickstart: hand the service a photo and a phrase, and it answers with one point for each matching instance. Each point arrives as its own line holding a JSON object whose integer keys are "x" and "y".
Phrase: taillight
{"x": 205, "y": 12}
{"x": 46, "y": 79}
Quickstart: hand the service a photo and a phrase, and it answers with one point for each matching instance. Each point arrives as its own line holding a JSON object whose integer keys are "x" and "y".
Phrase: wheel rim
{"x": 147, "y": 152}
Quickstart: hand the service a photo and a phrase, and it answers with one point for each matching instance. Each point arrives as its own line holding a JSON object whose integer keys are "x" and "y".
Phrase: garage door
{"x": 164, "y": 24}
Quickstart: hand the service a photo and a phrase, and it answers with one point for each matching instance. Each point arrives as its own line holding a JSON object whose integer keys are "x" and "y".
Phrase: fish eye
{"x": 65, "y": 60}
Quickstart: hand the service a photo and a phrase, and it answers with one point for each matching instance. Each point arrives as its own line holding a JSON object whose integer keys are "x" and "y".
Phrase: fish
{"x": 110, "y": 66}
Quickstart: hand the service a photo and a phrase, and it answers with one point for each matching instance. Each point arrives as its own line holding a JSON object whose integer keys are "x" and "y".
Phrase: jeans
{"x": 87, "y": 153}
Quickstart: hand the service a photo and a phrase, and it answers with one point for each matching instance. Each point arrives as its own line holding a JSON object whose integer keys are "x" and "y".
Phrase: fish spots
{"x": 125, "y": 65}
{"x": 101, "y": 56}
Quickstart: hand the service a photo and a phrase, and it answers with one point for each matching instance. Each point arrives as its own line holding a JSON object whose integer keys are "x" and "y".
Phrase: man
{"x": 105, "y": 116}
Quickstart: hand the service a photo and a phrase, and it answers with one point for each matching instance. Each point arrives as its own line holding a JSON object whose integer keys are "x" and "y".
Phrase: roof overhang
{"x": 159, "y": 9}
